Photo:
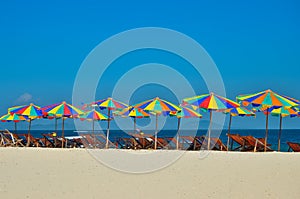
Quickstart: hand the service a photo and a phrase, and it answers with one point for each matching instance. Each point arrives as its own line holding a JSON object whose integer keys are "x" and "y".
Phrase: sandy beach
{"x": 74, "y": 173}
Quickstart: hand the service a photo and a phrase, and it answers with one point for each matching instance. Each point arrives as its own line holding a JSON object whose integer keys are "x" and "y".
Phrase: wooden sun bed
{"x": 11, "y": 139}
{"x": 144, "y": 141}
{"x": 200, "y": 142}
{"x": 247, "y": 143}
{"x": 5, "y": 141}
{"x": 32, "y": 141}
{"x": 294, "y": 146}
{"x": 258, "y": 144}
{"x": 215, "y": 143}
{"x": 94, "y": 141}
{"x": 46, "y": 141}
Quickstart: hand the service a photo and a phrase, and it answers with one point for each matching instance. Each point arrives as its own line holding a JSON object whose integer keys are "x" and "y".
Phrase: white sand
{"x": 74, "y": 173}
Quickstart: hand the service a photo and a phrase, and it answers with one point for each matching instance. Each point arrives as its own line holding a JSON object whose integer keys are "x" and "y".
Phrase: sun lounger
{"x": 78, "y": 143}
{"x": 294, "y": 146}
{"x": 257, "y": 144}
{"x": 187, "y": 142}
{"x": 34, "y": 142}
{"x": 95, "y": 141}
{"x": 216, "y": 144}
{"x": 144, "y": 141}
{"x": 5, "y": 140}
{"x": 55, "y": 141}
{"x": 238, "y": 140}
{"x": 12, "y": 139}
{"x": 247, "y": 143}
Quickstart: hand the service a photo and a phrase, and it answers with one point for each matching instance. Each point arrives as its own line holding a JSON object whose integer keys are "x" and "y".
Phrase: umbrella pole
{"x": 107, "y": 134}
{"x": 177, "y": 138}
{"x": 230, "y": 119}
{"x": 267, "y": 123}
{"x": 209, "y": 130}
{"x": 28, "y": 136}
{"x": 280, "y": 131}
{"x": 63, "y": 132}
{"x": 15, "y": 127}
{"x": 155, "y": 136}
{"x": 55, "y": 124}
{"x": 134, "y": 127}
{"x": 94, "y": 134}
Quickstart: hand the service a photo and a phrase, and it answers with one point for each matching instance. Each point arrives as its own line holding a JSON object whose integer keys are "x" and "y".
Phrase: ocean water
{"x": 288, "y": 135}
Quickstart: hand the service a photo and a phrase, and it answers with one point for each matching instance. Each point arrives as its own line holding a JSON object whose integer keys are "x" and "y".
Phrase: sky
{"x": 254, "y": 44}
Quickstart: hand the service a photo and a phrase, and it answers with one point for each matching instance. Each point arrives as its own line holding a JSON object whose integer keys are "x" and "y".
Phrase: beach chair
{"x": 85, "y": 142}
{"x": 144, "y": 141}
{"x": 102, "y": 141}
{"x": 218, "y": 144}
{"x": 5, "y": 141}
{"x": 20, "y": 142}
{"x": 13, "y": 138}
{"x": 34, "y": 142}
{"x": 161, "y": 143}
{"x": 256, "y": 144}
{"x": 171, "y": 142}
{"x": 202, "y": 142}
{"x": 236, "y": 138}
{"x": 56, "y": 142}
{"x": 188, "y": 142}
{"x": 78, "y": 143}
{"x": 124, "y": 143}
{"x": 98, "y": 140}
{"x": 48, "y": 140}
{"x": 293, "y": 146}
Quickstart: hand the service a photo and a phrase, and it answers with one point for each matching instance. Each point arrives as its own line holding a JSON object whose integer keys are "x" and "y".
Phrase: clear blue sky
{"x": 255, "y": 44}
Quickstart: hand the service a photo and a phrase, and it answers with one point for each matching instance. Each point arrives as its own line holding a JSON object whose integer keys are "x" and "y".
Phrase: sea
{"x": 288, "y": 135}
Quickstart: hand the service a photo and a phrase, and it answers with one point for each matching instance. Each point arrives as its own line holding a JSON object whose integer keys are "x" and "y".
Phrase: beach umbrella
{"x": 281, "y": 113}
{"x": 292, "y": 99}
{"x": 13, "y": 118}
{"x": 210, "y": 102}
{"x": 93, "y": 116}
{"x": 134, "y": 113}
{"x": 157, "y": 106}
{"x": 31, "y": 111}
{"x": 109, "y": 104}
{"x": 239, "y": 111}
{"x": 64, "y": 111}
{"x": 298, "y": 111}
{"x": 183, "y": 113}
{"x": 268, "y": 100}
{"x": 46, "y": 115}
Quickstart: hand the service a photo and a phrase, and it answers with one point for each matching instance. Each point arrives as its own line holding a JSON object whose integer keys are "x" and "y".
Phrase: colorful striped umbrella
{"x": 63, "y": 110}
{"x": 293, "y": 99}
{"x": 239, "y": 111}
{"x": 109, "y": 104}
{"x": 13, "y": 118}
{"x": 281, "y": 112}
{"x": 93, "y": 116}
{"x": 210, "y": 102}
{"x": 183, "y": 113}
{"x": 46, "y": 115}
{"x": 157, "y": 106}
{"x": 297, "y": 109}
{"x": 267, "y": 100}
{"x": 31, "y": 111}
{"x": 134, "y": 113}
